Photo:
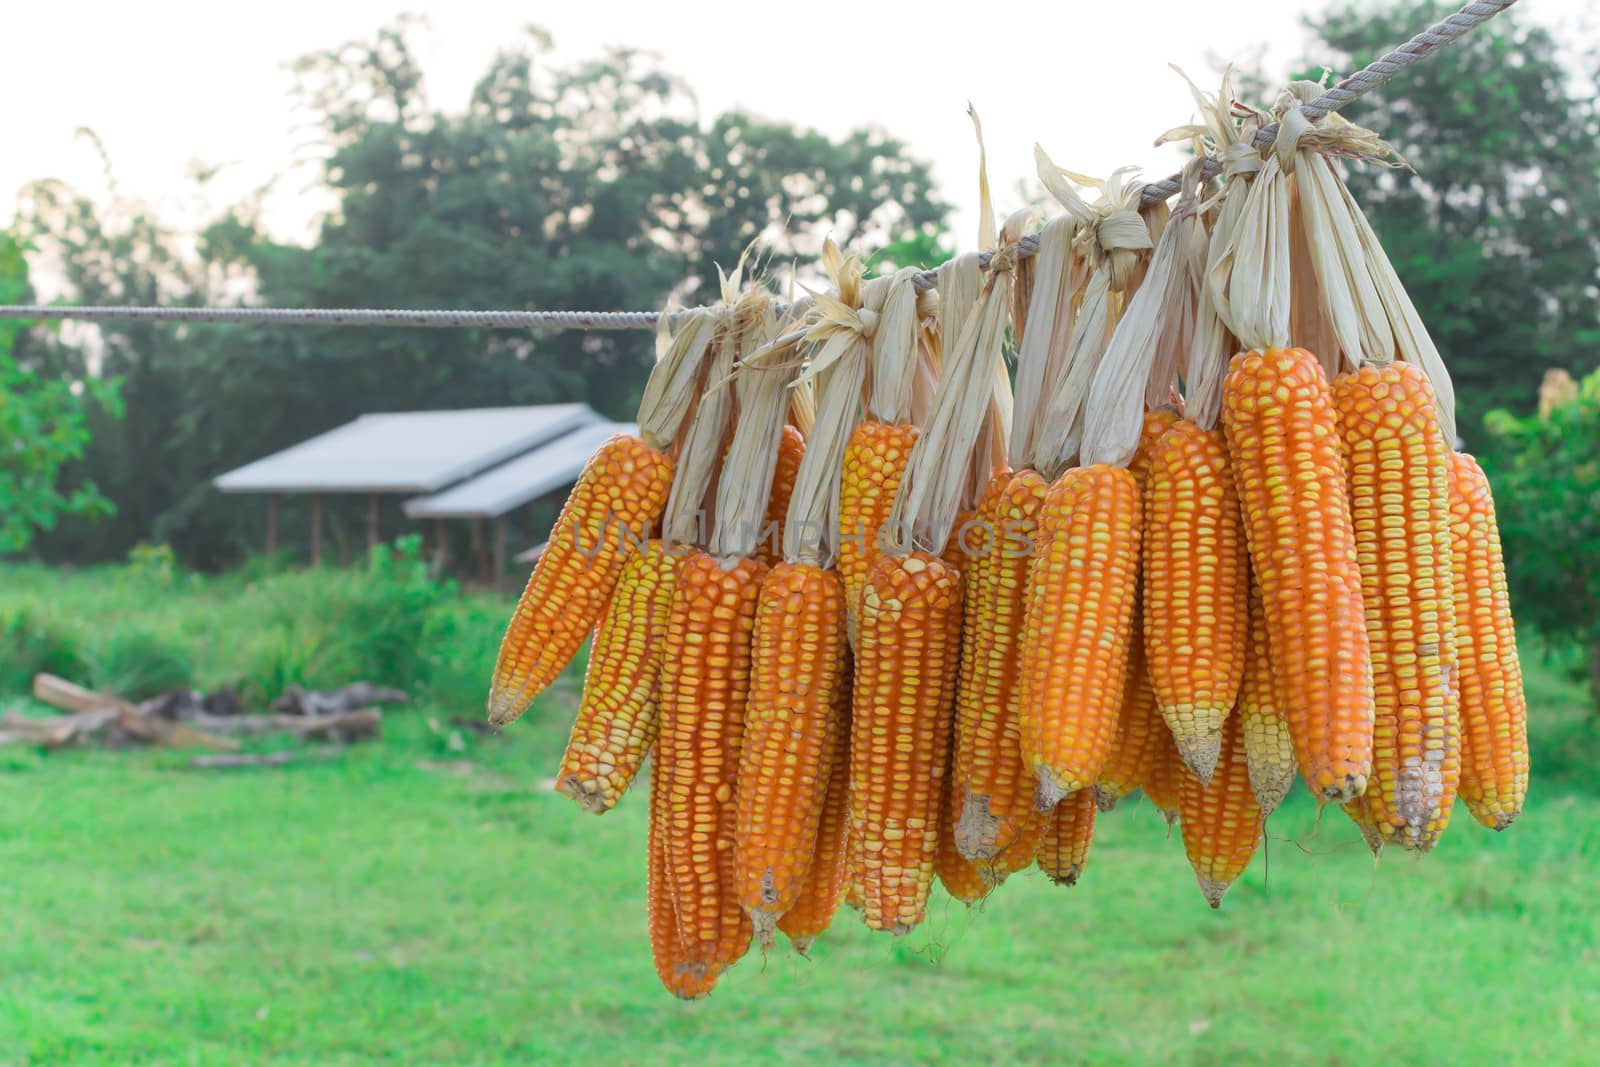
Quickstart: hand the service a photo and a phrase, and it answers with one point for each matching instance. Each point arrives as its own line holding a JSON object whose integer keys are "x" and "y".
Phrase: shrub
{"x": 1546, "y": 476}
{"x": 31, "y": 643}
{"x": 136, "y": 664}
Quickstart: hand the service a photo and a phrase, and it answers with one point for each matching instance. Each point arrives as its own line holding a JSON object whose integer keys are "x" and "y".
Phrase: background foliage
{"x": 594, "y": 185}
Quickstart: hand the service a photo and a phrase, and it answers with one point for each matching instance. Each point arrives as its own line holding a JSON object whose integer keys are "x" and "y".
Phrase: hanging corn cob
{"x": 879, "y": 448}
{"x": 1068, "y": 833}
{"x": 1395, "y": 471}
{"x": 1283, "y": 447}
{"x": 994, "y": 824}
{"x": 1079, "y": 615}
{"x": 680, "y": 972}
{"x": 1396, "y": 463}
{"x": 619, "y": 495}
{"x": 1195, "y": 589}
{"x": 801, "y": 651}
{"x": 1220, "y": 822}
{"x": 828, "y": 872}
{"x": 705, "y": 672}
{"x": 618, "y": 716}
{"x": 908, "y": 657}
{"x": 1163, "y": 783}
{"x": 1267, "y": 747}
{"x": 1494, "y": 731}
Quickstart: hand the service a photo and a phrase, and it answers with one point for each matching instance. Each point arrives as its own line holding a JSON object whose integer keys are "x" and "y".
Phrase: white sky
{"x": 168, "y": 82}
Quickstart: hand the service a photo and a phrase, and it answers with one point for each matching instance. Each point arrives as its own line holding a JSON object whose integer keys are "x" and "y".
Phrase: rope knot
{"x": 1004, "y": 260}
{"x": 1292, "y": 125}
{"x": 1240, "y": 158}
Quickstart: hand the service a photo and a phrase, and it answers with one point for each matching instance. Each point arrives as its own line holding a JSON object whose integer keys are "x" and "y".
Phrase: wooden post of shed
{"x": 480, "y": 561}
{"x": 499, "y": 552}
{"x": 374, "y": 520}
{"x": 316, "y": 529}
{"x": 272, "y": 524}
{"x": 441, "y": 543}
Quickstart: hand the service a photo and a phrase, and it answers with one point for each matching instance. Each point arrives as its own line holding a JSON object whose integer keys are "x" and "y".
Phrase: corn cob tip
{"x": 802, "y": 945}
{"x": 590, "y": 795}
{"x": 766, "y": 928}
{"x": 1047, "y": 794}
{"x": 1344, "y": 792}
{"x": 505, "y": 707}
{"x": 1105, "y": 798}
{"x": 976, "y": 828}
{"x": 1213, "y": 890}
{"x": 1200, "y": 753}
{"x": 1068, "y": 877}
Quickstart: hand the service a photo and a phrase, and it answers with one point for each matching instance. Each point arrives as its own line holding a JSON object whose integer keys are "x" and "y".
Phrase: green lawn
{"x": 426, "y": 901}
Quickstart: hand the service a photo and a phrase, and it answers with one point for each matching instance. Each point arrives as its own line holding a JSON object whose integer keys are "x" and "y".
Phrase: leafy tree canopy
{"x": 594, "y": 185}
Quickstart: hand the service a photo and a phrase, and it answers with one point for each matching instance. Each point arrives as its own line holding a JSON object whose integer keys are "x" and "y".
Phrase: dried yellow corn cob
{"x": 619, "y": 715}
{"x": 1068, "y": 832}
{"x": 705, "y": 680}
{"x": 1267, "y": 747}
{"x": 1221, "y": 822}
{"x": 684, "y": 976}
{"x": 997, "y": 824}
{"x": 1141, "y": 734}
{"x": 1396, "y": 468}
{"x": 619, "y": 495}
{"x": 1283, "y": 445}
{"x": 828, "y": 872}
{"x": 874, "y": 462}
{"x": 791, "y": 450}
{"x": 788, "y": 742}
{"x": 1164, "y": 782}
{"x": 900, "y": 731}
{"x": 1079, "y": 619}
{"x": 1195, "y": 589}
{"x": 1494, "y": 713}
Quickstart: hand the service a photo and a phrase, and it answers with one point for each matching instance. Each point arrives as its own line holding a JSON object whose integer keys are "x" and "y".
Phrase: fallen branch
{"x": 233, "y": 760}
{"x": 60, "y": 693}
{"x": 344, "y": 726}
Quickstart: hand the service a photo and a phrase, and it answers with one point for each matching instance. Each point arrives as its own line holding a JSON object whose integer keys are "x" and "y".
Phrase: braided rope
{"x": 1351, "y": 88}
{"x": 446, "y": 319}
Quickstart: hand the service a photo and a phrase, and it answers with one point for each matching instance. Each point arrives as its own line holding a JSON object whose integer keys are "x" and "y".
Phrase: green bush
{"x": 30, "y": 643}
{"x": 1546, "y": 476}
{"x": 137, "y": 663}
{"x": 385, "y": 622}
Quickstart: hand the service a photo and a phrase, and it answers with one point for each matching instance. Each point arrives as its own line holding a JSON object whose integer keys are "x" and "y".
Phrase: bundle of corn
{"x": 1187, "y": 558}
{"x": 621, "y": 492}
{"x": 793, "y": 772}
{"x": 1283, "y": 447}
{"x": 1079, "y": 615}
{"x": 705, "y": 667}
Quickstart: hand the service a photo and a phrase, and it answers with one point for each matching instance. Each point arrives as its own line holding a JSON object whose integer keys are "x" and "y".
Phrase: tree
{"x": 595, "y": 185}
{"x": 1496, "y": 233}
{"x": 43, "y": 424}
{"x": 1547, "y": 489}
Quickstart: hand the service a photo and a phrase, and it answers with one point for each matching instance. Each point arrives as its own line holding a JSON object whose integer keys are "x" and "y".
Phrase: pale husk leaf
{"x": 939, "y": 469}
{"x": 1115, "y": 407}
{"x": 1048, "y": 328}
{"x": 1412, "y": 341}
{"x": 674, "y": 382}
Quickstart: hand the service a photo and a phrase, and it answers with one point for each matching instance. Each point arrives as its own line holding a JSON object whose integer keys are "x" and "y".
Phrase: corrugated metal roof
{"x": 406, "y": 452}
{"x": 513, "y": 484}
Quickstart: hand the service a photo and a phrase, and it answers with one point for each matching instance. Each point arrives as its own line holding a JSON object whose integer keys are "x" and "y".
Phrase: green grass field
{"x": 425, "y": 900}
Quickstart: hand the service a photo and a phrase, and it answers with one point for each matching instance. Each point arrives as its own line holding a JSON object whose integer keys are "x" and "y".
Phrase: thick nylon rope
{"x": 1355, "y": 86}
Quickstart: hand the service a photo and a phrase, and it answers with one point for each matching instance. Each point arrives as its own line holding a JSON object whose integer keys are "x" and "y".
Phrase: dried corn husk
{"x": 1230, "y": 142}
{"x": 1145, "y": 348}
{"x": 761, "y": 389}
{"x": 682, "y": 342}
{"x": 939, "y": 473}
{"x": 1117, "y": 241}
{"x": 839, "y": 331}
